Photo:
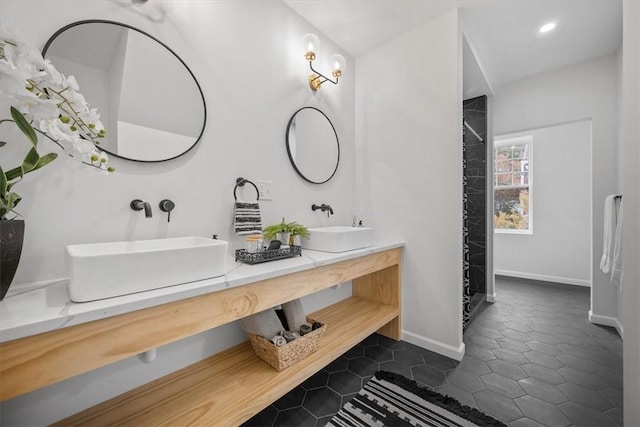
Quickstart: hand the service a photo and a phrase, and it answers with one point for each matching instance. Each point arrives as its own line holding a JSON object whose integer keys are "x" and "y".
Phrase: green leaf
{"x": 30, "y": 161}
{"x": 3, "y": 183}
{"x": 2, "y": 143}
{"x": 44, "y": 161}
{"x": 24, "y": 126}
{"x": 14, "y": 173}
{"x": 12, "y": 200}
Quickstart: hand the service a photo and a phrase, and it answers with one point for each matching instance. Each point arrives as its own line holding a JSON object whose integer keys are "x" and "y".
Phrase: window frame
{"x": 506, "y": 141}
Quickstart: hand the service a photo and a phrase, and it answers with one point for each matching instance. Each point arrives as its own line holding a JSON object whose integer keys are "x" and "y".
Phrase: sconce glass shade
{"x": 310, "y": 42}
{"x": 337, "y": 62}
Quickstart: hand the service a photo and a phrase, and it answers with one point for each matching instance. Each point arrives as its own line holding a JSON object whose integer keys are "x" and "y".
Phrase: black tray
{"x": 268, "y": 254}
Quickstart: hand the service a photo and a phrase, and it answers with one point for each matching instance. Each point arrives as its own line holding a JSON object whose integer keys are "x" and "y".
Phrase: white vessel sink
{"x": 338, "y": 238}
{"x": 105, "y": 270}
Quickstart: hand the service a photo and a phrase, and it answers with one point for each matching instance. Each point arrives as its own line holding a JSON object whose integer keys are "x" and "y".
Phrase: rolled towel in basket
{"x": 279, "y": 341}
{"x": 290, "y": 336}
{"x": 305, "y": 329}
{"x": 294, "y": 313}
{"x": 266, "y": 324}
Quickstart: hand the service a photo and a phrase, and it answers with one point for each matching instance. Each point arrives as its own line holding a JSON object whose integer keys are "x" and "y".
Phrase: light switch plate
{"x": 264, "y": 189}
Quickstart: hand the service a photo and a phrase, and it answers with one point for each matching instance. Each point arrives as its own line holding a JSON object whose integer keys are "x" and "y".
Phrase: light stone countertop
{"x": 31, "y": 309}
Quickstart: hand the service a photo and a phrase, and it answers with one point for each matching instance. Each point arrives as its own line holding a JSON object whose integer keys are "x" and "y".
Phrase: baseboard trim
{"x": 435, "y": 346}
{"x": 544, "y": 278}
{"x": 491, "y": 298}
{"x": 606, "y": 321}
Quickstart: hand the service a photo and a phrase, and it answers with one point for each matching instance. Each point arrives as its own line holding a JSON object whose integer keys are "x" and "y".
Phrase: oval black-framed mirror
{"x": 312, "y": 145}
{"x": 149, "y": 101}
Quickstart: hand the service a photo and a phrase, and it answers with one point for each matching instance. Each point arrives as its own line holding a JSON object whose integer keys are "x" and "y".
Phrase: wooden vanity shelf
{"x": 230, "y": 387}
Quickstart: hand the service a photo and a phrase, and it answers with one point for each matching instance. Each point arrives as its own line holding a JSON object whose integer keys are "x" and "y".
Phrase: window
{"x": 512, "y": 185}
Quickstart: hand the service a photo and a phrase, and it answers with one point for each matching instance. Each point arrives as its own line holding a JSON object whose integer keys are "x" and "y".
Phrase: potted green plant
{"x": 285, "y": 231}
{"x": 44, "y": 102}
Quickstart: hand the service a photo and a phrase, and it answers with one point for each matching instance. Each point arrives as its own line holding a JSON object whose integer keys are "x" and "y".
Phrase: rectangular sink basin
{"x": 338, "y": 238}
{"x": 105, "y": 270}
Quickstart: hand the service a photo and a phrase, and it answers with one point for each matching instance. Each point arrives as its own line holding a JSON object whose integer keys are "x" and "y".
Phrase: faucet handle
{"x": 167, "y": 206}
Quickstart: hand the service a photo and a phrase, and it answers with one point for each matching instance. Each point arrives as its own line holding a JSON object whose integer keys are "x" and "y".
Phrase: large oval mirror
{"x": 149, "y": 101}
{"x": 312, "y": 145}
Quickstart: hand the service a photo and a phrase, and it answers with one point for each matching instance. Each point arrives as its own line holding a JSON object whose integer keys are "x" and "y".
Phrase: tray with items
{"x": 266, "y": 255}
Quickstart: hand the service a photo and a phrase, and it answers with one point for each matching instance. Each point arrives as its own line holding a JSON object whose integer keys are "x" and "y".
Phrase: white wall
{"x": 631, "y": 200}
{"x": 578, "y": 92}
{"x": 559, "y": 250}
{"x": 247, "y": 58}
{"x": 409, "y": 174}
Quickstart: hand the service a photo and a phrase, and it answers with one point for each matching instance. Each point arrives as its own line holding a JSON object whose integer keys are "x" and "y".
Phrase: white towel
{"x": 247, "y": 218}
{"x": 610, "y": 217}
{"x": 616, "y": 267}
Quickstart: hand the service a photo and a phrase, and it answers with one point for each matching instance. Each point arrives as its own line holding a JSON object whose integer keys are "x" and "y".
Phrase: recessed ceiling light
{"x": 547, "y": 27}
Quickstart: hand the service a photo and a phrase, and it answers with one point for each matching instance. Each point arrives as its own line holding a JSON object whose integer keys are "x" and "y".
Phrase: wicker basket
{"x": 289, "y": 354}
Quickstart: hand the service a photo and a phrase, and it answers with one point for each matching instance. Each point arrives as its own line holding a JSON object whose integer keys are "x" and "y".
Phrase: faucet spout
{"x": 324, "y": 208}
{"x": 138, "y": 205}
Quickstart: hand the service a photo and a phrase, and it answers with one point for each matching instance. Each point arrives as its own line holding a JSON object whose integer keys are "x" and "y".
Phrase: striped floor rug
{"x": 389, "y": 399}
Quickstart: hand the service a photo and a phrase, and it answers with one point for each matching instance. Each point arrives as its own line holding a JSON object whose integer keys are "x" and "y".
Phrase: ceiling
{"x": 503, "y": 34}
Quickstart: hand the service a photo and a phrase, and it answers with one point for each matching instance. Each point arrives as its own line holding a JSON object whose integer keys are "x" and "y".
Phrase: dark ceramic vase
{"x": 11, "y": 238}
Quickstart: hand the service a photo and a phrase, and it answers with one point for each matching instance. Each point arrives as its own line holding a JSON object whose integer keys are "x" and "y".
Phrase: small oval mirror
{"x": 312, "y": 145}
{"x": 149, "y": 101}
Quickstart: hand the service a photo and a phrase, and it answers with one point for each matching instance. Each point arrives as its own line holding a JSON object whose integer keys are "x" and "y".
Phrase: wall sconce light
{"x": 311, "y": 43}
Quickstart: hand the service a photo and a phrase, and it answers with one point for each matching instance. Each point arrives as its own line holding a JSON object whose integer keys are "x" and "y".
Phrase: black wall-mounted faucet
{"x": 167, "y": 206}
{"x": 324, "y": 208}
{"x": 138, "y": 205}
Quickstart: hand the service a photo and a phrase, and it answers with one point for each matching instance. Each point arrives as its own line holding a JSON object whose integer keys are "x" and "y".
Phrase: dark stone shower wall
{"x": 475, "y": 156}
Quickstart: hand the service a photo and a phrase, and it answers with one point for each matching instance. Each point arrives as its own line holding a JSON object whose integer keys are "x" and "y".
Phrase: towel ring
{"x": 240, "y": 182}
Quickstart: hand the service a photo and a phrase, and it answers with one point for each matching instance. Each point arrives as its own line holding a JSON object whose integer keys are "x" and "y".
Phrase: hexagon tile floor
{"x": 532, "y": 359}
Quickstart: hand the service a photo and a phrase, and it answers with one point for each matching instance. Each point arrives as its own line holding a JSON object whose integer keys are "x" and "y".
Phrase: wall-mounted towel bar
{"x": 472, "y": 130}
{"x": 240, "y": 182}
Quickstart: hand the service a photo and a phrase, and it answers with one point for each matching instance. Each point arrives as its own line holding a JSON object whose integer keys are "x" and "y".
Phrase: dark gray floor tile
{"x": 378, "y": 353}
{"x": 464, "y": 380}
{"x": 457, "y": 393}
{"x": 347, "y": 398}
{"x": 574, "y": 332}
{"x": 506, "y": 369}
{"x": 322, "y": 422}
{"x": 517, "y": 326}
{"x": 542, "y": 412}
{"x": 543, "y": 391}
{"x": 264, "y": 418}
{"x": 370, "y": 340}
{"x": 488, "y": 332}
{"x": 438, "y": 361}
{"x": 582, "y": 416}
{"x": 319, "y": 379}
{"x": 474, "y": 366}
{"x": 340, "y": 364}
{"x": 544, "y": 348}
{"x": 581, "y": 378}
{"x": 545, "y": 338}
{"x": 616, "y": 414}
{"x": 427, "y": 375}
{"x": 514, "y": 345}
{"x": 611, "y": 379}
{"x": 613, "y": 395}
{"x": 542, "y": 373}
{"x": 585, "y": 396}
{"x": 363, "y": 366}
{"x": 408, "y": 357}
{"x": 477, "y": 352}
{"x": 502, "y": 385}
{"x": 390, "y": 343}
{"x": 510, "y": 356}
{"x": 578, "y": 363}
{"x": 345, "y": 382}
{"x": 485, "y": 342}
{"x": 525, "y": 422}
{"x": 543, "y": 359}
{"x": 322, "y": 402}
{"x": 516, "y": 335}
{"x": 397, "y": 367}
{"x": 357, "y": 351}
{"x": 498, "y": 406}
{"x": 298, "y": 417}
{"x": 569, "y": 339}
{"x": 292, "y": 399}
{"x": 583, "y": 352}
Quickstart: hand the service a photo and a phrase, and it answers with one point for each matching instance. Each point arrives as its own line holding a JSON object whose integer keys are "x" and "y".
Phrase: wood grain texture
{"x": 232, "y": 386}
{"x": 383, "y": 286}
{"x": 33, "y": 362}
